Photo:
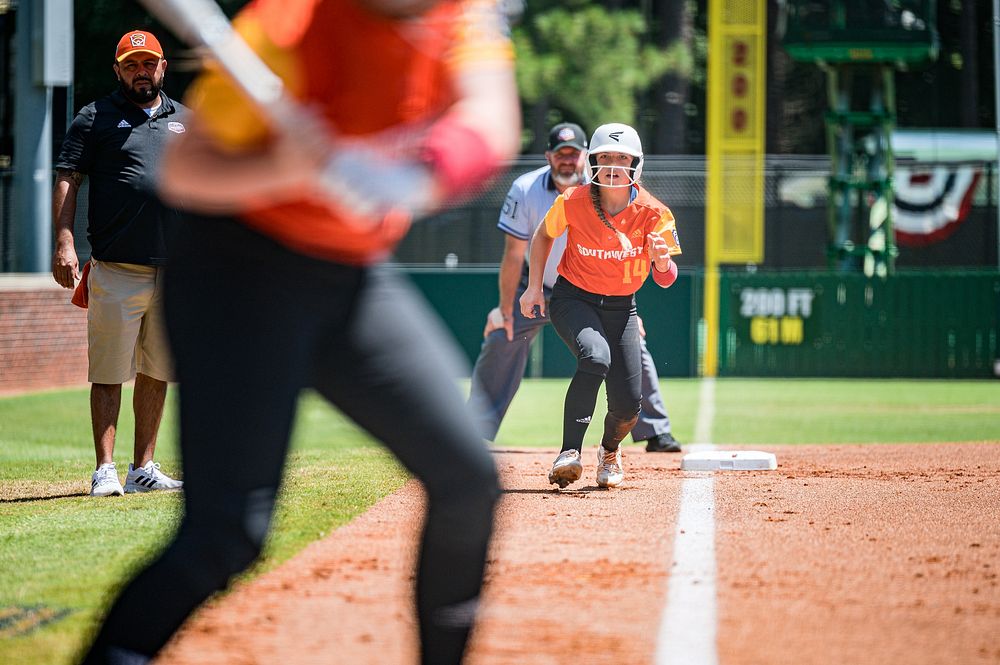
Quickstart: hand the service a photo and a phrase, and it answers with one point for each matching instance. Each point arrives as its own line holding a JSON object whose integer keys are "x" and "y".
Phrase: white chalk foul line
{"x": 706, "y": 415}
{"x": 689, "y": 625}
{"x": 688, "y": 628}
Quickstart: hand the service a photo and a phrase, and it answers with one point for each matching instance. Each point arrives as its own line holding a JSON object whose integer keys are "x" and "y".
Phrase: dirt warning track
{"x": 860, "y": 554}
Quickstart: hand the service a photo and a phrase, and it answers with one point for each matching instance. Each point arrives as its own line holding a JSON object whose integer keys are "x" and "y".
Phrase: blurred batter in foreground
{"x": 277, "y": 286}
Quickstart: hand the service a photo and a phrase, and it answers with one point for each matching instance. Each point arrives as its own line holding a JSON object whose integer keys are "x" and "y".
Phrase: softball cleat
{"x": 609, "y": 467}
{"x": 566, "y": 469}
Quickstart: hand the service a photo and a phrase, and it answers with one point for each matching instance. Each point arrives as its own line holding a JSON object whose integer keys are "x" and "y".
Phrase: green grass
{"x": 61, "y": 550}
{"x": 754, "y": 411}
{"x": 535, "y": 415}
{"x": 73, "y": 553}
{"x": 787, "y": 411}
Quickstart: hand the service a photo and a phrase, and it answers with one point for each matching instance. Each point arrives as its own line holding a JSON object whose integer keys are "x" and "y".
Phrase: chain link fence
{"x": 795, "y": 219}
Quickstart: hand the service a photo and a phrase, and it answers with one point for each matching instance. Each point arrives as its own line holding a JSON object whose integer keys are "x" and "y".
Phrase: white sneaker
{"x": 609, "y": 467}
{"x": 566, "y": 469}
{"x": 104, "y": 481}
{"x": 148, "y": 478}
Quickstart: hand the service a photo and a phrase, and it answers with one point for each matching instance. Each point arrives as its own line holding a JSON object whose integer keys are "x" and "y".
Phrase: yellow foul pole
{"x": 737, "y": 82}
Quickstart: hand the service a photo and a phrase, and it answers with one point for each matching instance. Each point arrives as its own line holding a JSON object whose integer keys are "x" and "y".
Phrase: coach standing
{"x": 116, "y": 141}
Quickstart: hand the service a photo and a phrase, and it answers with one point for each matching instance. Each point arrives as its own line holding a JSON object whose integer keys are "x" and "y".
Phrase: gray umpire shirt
{"x": 529, "y": 198}
{"x": 117, "y": 146}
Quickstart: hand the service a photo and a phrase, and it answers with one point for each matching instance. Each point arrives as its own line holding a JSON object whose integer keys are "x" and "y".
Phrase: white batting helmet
{"x": 616, "y": 137}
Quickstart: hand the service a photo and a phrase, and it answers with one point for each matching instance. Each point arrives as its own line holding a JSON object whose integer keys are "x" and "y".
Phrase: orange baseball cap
{"x": 138, "y": 41}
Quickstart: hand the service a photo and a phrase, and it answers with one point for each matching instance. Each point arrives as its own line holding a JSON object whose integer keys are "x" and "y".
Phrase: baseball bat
{"x": 201, "y": 23}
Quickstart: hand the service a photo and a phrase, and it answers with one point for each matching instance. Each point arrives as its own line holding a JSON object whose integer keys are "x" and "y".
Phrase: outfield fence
{"x": 928, "y": 324}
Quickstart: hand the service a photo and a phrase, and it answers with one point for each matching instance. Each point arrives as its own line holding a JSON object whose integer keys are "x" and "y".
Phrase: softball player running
{"x": 615, "y": 230}
{"x": 508, "y": 336}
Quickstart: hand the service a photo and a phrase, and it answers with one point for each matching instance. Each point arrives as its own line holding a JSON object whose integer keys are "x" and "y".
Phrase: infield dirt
{"x": 845, "y": 554}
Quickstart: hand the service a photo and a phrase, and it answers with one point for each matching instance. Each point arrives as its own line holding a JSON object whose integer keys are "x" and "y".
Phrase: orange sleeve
{"x": 286, "y": 21}
{"x": 667, "y": 227}
{"x": 555, "y": 221}
{"x": 482, "y": 37}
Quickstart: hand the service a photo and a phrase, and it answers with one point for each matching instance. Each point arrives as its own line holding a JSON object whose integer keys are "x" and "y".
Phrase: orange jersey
{"x": 368, "y": 75}
{"x": 594, "y": 259}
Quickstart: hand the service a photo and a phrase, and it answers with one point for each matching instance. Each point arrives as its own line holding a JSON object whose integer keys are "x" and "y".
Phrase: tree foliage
{"x": 590, "y": 62}
{"x": 594, "y": 62}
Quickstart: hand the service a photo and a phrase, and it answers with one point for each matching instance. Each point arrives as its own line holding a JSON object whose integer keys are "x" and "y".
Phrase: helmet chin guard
{"x": 615, "y": 137}
{"x": 632, "y": 173}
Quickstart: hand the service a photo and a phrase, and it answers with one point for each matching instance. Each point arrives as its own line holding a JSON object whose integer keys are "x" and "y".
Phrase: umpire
{"x": 115, "y": 142}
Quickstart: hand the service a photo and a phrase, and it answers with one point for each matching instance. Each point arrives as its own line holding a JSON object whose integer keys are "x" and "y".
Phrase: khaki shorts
{"x": 125, "y": 328}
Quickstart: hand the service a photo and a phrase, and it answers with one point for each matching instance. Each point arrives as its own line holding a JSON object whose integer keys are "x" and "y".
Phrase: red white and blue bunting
{"x": 931, "y": 203}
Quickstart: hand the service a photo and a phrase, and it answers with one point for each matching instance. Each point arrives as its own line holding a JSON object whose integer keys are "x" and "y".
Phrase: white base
{"x": 729, "y": 460}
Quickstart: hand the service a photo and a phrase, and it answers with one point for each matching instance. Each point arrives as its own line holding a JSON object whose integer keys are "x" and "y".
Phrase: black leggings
{"x": 603, "y": 334}
{"x": 252, "y": 324}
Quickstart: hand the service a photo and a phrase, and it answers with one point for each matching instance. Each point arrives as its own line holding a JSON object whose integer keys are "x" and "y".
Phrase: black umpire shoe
{"x": 663, "y": 443}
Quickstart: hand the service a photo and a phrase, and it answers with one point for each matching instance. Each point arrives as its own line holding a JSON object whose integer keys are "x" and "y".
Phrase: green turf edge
{"x": 74, "y": 553}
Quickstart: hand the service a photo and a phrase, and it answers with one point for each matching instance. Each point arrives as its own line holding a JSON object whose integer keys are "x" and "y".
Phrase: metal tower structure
{"x": 860, "y": 44}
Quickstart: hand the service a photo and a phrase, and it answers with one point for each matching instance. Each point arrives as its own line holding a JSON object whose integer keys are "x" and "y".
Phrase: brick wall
{"x": 43, "y": 338}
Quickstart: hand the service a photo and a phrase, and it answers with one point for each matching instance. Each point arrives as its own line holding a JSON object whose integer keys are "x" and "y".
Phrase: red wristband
{"x": 459, "y": 156}
{"x": 667, "y": 278}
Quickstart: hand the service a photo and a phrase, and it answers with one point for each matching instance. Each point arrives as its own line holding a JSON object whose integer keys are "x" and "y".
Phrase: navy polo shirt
{"x": 117, "y": 146}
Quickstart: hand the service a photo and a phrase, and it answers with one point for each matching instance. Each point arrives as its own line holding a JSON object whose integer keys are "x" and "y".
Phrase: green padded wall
{"x": 463, "y": 296}
{"x": 926, "y": 324}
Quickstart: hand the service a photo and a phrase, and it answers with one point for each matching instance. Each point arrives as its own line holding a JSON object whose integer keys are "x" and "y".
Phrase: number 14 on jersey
{"x": 637, "y": 268}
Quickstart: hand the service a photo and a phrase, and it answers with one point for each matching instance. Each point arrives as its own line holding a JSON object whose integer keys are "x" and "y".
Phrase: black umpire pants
{"x": 603, "y": 334}
{"x": 251, "y": 324}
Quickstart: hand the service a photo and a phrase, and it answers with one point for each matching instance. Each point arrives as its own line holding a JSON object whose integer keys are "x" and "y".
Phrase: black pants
{"x": 603, "y": 334}
{"x": 251, "y": 324}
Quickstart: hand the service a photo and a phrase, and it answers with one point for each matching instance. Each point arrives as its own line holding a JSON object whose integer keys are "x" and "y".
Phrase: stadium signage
{"x": 777, "y": 315}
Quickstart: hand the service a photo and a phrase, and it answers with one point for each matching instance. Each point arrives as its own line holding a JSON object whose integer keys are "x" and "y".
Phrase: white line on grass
{"x": 706, "y": 413}
{"x": 688, "y": 629}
